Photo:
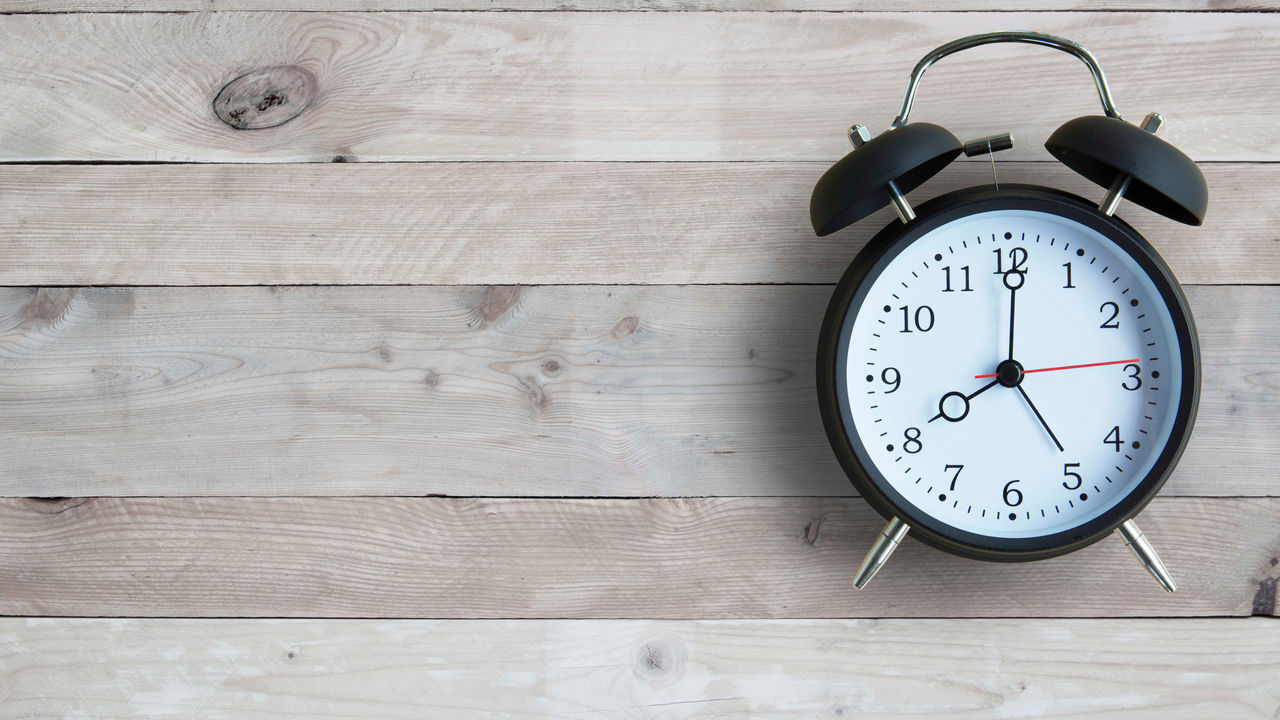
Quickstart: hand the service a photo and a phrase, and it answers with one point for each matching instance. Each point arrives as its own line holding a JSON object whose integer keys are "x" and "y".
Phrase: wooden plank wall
{"x": 482, "y": 353}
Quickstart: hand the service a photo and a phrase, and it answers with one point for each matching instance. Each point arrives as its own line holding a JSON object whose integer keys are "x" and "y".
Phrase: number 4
{"x": 1113, "y": 438}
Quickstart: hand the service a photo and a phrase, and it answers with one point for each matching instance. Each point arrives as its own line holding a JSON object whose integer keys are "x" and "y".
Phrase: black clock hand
{"x": 942, "y": 413}
{"x": 1013, "y": 286}
{"x": 1040, "y": 418}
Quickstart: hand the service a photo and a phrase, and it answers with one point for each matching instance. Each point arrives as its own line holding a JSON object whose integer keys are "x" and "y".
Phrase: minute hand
{"x": 1013, "y": 280}
{"x": 1068, "y": 367}
{"x": 1040, "y": 417}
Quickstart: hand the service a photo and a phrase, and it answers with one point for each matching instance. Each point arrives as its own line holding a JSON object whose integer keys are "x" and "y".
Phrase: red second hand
{"x": 1065, "y": 367}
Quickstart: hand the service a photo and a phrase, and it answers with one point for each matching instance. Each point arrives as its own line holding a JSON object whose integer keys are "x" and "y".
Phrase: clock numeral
{"x": 1115, "y": 433}
{"x": 1012, "y": 492}
{"x": 895, "y": 381}
{"x": 955, "y": 477}
{"x": 1110, "y": 323}
{"x": 947, "y": 272}
{"x": 911, "y": 443}
{"x": 1017, "y": 258}
{"x": 1066, "y": 472}
{"x": 1135, "y": 374}
{"x": 1067, "y": 265}
{"x": 923, "y": 319}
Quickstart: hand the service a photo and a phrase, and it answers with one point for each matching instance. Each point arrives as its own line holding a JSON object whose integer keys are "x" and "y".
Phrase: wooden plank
{"x": 603, "y": 86}
{"x": 561, "y": 391}
{"x": 536, "y": 558}
{"x": 45, "y": 6}
{"x": 232, "y": 669}
{"x": 517, "y": 223}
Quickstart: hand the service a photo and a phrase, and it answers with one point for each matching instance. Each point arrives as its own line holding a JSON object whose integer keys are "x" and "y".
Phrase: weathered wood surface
{"x": 560, "y": 391}
{"x": 609, "y": 86}
{"x": 553, "y": 558}
{"x": 527, "y": 223}
{"x": 523, "y": 669}
{"x": 42, "y": 6}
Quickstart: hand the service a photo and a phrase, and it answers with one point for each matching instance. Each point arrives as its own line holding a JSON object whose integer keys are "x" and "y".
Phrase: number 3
{"x": 1134, "y": 373}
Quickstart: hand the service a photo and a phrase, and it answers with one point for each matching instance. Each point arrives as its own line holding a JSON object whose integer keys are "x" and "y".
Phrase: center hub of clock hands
{"x": 1009, "y": 373}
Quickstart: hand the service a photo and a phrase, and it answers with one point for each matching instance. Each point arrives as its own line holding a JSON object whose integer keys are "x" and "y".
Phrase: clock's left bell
{"x": 878, "y": 172}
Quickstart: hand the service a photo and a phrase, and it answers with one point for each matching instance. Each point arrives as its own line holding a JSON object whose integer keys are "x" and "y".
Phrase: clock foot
{"x": 880, "y": 551}
{"x": 1142, "y": 550}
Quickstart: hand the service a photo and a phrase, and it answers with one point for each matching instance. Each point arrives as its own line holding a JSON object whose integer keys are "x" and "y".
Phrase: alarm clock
{"x": 1009, "y": 372}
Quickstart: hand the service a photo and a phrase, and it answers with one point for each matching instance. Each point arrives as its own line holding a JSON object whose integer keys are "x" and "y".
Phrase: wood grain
{"x": 526, "y": 223}
{"x": 524, "y": 669}
{"x": 43, "y": 6}
{"x": 611, "y": 86}
{"x": 533, "y": 558}
{"x": 499, "y": 391}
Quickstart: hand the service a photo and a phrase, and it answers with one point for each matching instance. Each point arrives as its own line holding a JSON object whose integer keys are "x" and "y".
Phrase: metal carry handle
{"x": 1034, "y": 38}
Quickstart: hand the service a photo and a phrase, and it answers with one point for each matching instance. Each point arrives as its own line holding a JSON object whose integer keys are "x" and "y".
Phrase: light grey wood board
{"x": 499, "y": 391}
{"x": 603, "y": 86}
{"x": 45, "y": 6}
{"x": 525, "y": 669}
{"x": 530, "y": 223}
{"x": 554, "y": 558}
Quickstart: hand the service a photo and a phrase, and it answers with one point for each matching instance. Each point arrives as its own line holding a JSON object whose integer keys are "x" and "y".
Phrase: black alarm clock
{"x": 1009, "y": 372}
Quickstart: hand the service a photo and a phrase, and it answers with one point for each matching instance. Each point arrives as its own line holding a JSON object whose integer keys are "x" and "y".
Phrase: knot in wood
{"x": 625, "y": 327}
{"x": 552, "y": 367}
{"x": 265, "y": 98}
{"x": 496, "y": 301}
{"x": 48, "y": 307}
{"x": 660, "y": 661}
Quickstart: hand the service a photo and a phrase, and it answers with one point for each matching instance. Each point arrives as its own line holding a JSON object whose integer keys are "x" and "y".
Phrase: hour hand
{"x": 954, "y": 406}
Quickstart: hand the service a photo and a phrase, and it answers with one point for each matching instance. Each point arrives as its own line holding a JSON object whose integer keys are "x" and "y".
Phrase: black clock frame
{"x": 832, "y": 357}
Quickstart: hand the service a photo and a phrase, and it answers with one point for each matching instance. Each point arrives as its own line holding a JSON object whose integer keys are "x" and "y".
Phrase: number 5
{"x": 1066, "y": 472}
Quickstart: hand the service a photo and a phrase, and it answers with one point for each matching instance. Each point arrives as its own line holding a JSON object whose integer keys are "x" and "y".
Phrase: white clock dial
{"x": 1101, "y": 364}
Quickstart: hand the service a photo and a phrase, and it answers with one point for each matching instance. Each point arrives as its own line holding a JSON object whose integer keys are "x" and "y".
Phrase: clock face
{"x": 1013, "y": 374}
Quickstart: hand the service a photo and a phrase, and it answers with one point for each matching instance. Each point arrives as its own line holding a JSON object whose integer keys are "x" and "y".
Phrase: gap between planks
{"x": 81, "y": 7}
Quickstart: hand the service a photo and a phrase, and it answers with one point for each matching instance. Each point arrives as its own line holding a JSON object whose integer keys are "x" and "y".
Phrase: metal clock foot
{"x": 1142, "y": 549}
{"x": 880, "y": 551}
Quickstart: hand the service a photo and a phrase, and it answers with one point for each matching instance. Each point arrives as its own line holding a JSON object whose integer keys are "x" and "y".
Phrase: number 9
{"x": 895, "y": 381}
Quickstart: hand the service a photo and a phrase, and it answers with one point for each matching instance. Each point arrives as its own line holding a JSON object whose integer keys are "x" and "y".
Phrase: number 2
{"x": 1110, "y": 323}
